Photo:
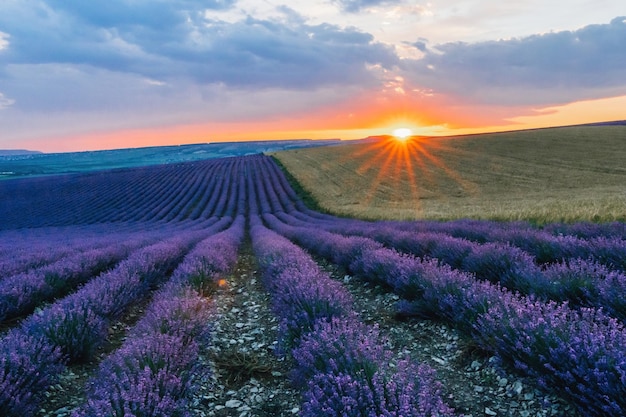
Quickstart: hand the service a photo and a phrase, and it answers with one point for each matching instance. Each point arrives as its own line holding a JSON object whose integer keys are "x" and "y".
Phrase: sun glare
{"x": 402, "y": 133}
{"x": 409, "y": 169}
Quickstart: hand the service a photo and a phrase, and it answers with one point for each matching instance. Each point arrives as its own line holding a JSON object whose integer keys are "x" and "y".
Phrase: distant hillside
{"x": 17, "y": 152}
{"x": 37, "y": 163}
{"x": 613, "y": 123}
{"x": 558, "y": 174}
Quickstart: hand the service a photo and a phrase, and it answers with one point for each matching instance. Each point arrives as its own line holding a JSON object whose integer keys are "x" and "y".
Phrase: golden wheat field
{"x": 557, "y": 174}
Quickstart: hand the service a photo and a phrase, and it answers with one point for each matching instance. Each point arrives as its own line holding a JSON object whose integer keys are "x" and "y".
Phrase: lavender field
{"x": 79, "y": 252}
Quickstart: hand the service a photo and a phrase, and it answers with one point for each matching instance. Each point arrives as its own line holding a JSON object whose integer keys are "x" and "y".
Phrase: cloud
{"x": 5, "y": 102}
{"x": 550, "y": 68}
{"x": 264, "y": 53}
{"x": 172, "y": 40}
{"x": 56, "y": 100}
{"x": 354, "y": 6}
{"x": 4, "y": 40}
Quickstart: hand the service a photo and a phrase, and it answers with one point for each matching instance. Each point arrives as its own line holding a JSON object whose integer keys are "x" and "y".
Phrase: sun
{"x": 402, "y": 133}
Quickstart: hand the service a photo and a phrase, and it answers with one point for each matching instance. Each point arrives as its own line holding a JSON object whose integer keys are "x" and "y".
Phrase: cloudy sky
{"x": 78, "y": 75}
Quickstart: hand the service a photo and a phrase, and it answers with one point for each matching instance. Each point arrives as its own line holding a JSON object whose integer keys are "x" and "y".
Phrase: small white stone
{"x": 438, "y": 360}
{"x": 233, "y": 403}
{"x": 490, "y": 412}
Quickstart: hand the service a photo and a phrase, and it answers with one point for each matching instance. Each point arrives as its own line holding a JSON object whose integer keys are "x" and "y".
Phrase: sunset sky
{"x": 82, "y": 75}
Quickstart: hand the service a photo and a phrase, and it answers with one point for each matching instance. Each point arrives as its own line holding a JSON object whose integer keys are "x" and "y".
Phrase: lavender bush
{"x": 586, "y": 283}
{"x": 586, "y": 230}
{"x": 507, "y": 265}
{"x": 28, "y": 366}
{"x": 413, "y": 392}
{"x": 582, "y": 352}
{"x": 183, "y": 313}
{"x": 73, "y": 327}
{"x": 148, "y": 377}
{"x": 210, "y": 259}
{"x": 339, "y": 346}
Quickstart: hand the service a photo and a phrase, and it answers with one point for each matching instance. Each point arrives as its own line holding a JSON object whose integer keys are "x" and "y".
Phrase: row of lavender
{"x": 597, "y": 280}
{"x": 22, "y": 250}
{"x": 26, "y": 250}
{"x": 579, "y": 352}
{"x": 544, "y": 247}
{"x": 177, "y": 192}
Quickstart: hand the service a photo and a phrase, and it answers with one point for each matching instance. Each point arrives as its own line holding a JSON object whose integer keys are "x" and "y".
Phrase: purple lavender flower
{"x": 149, "y": 377}
{"x": 410, "y": 393}
{"x": 339, "y": 346}
{"x": 72, "y": 327}
{"x": 581, "y": 351}
{"x": 185, "y": 315}
{"x": 28, "y": 366}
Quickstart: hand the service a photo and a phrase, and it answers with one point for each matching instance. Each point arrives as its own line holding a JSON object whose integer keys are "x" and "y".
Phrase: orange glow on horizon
{"x": 357, "y": 117}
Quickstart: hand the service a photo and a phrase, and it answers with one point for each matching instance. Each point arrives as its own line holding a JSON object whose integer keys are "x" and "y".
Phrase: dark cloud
{"x": 156, "y": 14}
{"x": 420, "y": 44}
{"x": 550, "y": 68}
{"x": 168, "y": 40}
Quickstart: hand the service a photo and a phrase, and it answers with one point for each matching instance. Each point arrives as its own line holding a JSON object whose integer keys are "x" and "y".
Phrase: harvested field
{"x": 560, "y": 174}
